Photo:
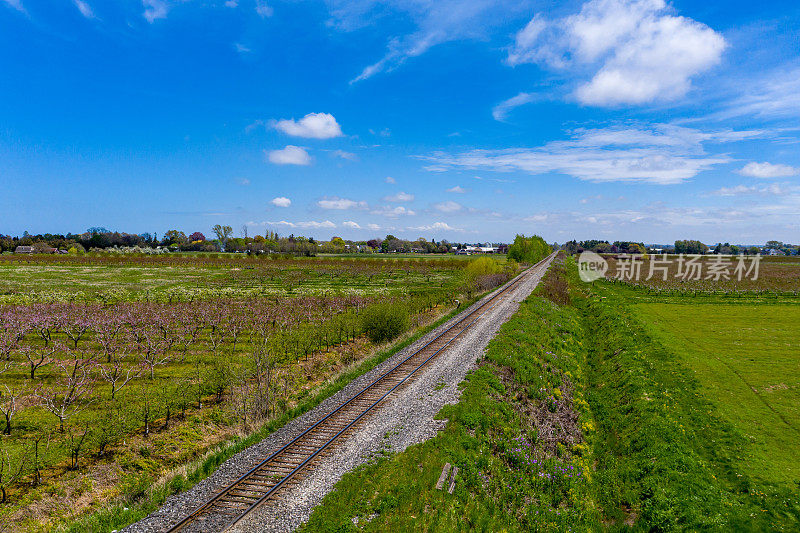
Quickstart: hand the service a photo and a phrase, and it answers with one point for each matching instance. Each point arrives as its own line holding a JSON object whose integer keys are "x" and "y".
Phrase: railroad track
{"x": 289, "y": 465}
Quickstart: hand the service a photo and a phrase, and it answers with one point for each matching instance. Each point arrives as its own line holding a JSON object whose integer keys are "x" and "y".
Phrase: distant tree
{"x": 197, "y": 236}
{"x": 95, "y": 230}
{"x": 223, "y": 234}
{"x": 690, "y": 247}
{"x": 528, "y": 249}
{"x": 174, "y": 236}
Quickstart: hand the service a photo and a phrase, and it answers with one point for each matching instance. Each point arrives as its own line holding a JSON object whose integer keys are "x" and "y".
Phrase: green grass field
{"x": 747, "y": 360}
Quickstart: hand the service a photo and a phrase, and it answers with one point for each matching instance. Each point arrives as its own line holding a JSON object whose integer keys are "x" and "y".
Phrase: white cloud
{"x": 448, "y": 206}
{"x": 390, "y": 179}
{"x": 243, "y": 181}
{"x": 304, "y": 224}
{"x": 311, "y": 126}
{"x": 635, "y": 51}
{"x": 242, "y": 49}
{"x": 84, "y": 8}
{"x": 350, "y": 224}
{"x": 154, "y": 9}
{"x": 501, "y": 110}
{"x": 16, "y": 4}
{"x": 340, "y": 204}
{"x": 434, "y": 21}
{"x": 281, "y": 201}
{"x": 661, "y": 154}
{"x": 373, "y": 227}
{"x": 768, "y": 170}
{"x": 541, "y": 217}
{"x": 775, "y": 94}
{"x": 345, "y": 155}
{"x": 769, "y": 190}
{"x": 393, "y": 212}
{"x": 263, "y": 9}
{"x": 291, "y": 155}
{"x": 399, "y": 197}
{"x": 457, "y": 189}
{"x": 435, "y": 226}
{"x": 232, "y": 3}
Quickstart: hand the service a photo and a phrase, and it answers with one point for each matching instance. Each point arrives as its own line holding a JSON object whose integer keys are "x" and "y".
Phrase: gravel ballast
{"x": 403, "y": 419}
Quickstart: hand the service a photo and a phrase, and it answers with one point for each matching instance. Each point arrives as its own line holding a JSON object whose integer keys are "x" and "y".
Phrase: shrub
{"x": 384, "y": 322}
{"x": 482, "y": 266}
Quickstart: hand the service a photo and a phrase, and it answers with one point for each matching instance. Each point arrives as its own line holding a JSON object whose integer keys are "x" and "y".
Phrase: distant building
{"x": 775, "y": 251}
{"x": 33, "y": 250}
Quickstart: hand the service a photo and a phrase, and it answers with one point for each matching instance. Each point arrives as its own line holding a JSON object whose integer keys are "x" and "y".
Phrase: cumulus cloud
{"x": 390, "y": 180}
{"x": 768, "y": 170}
{"x": 84, "y": 8}
{"x": 435, "y": 226}
{"x": 373, "y": 227}
{"x": 393, "y": 212}
{"x": 311, "y": 126}
{"x": 457, "y": 189}
{"x": 634, "y": 51}
{"x": 303, "y": 224}
{"x": 154, "y": 9}
{"x": 448, "y": 206}
{"x": 501, "y": 110}
{"x": 660, "y": 153}
{"x": 340, "y": 203}
{"x": 291, "y": 155}
{"x": 281, "y": 201}
{"x": 350, "y": 224}
{"x": 399, "y": 197}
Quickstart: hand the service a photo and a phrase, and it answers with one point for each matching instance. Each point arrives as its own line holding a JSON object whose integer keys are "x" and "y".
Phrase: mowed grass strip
{"x": 747, "y": 360}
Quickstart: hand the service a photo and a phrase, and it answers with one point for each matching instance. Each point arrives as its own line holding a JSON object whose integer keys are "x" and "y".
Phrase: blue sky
{"x": 468, "y": 120}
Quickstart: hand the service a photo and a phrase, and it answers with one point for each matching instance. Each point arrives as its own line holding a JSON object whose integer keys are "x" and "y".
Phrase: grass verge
{"x": 518, "y": 436}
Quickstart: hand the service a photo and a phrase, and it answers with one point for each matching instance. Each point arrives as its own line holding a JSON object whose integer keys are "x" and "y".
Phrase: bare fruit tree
{"x": 71, "y": 391}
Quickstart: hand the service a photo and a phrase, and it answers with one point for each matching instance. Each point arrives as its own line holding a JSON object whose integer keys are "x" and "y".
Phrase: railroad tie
{"x": 443, "y": 476}
{"x": 453, "y": 480}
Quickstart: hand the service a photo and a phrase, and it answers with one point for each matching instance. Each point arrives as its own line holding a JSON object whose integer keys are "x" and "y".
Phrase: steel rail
{"x": 234, "y": 486}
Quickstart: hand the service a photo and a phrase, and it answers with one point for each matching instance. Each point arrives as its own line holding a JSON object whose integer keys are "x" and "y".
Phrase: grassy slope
{"x": 747, "y": 359}
{"x": 510, "y": 478}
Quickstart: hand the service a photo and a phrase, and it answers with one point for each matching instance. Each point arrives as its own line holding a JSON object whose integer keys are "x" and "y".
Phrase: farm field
{"x": 777, "y": 275}
{"x": 116, "y": 370}
{"x": 182, "y": 277}
{"x": 747, "y": 360}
